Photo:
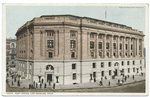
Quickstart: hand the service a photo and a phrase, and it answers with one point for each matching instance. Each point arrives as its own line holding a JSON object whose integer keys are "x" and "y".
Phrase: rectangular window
{"x": 107, "y": 37}
{"x": 114, "y": 45}
{"x": 100, "y": 45}
{"x": 102, "y": 64}
{"x": 133, "y": 69}
{"x": 109, "y": 72}
{"x": 100, "y": 54}
{"x": 126, "y": 46}
{"x": 102, "y": 72}
{"x": 72, "y": 54}
{"x": 133, "y": 62}
{"x": 74, "y": 76}
{"x": 94, "y": 74}
{"x": 128, "y": 62}
{"x": 120, "y": 46}
{"x": 100, "y": 36}
{"x": 72, "y": 34}
{"x": 109, "y": 63}
{"x": 94, "y": 65}
{"x": 131, "y": 46}
{"x": 114, "y": 38}
{"x": 141, "y": 68}
{"x": 128, "y": 70}
{"x": 91, "y": 44}
{"x": 122, "y": 63}
{"x": 50, "y": 43}
{"x": 92, "y": 35}
{"x": 72, "y": 43}
{"x": 73, "y": 66}
{"x": 50, "y": 33}
{"x": 140, "y": 61}
{"x": 50, "y": 54}
{"x": 107, "y": 45}
{"x": 92, "y": 54}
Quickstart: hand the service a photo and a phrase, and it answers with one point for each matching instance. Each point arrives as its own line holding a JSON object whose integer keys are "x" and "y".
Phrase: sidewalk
{"x": 24, "y": 83}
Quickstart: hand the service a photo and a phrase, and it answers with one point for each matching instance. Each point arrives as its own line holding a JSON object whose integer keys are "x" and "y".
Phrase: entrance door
{"x": 49, "y": 77}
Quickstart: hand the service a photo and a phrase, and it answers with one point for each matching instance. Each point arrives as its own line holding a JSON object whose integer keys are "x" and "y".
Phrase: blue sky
{"x": 16, "y": 16}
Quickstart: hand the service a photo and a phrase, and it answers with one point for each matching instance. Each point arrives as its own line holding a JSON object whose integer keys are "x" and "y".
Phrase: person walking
{"x": 54, "y": 86}
{"x": 133, "y": 77}
{"x": 109, "y": 83}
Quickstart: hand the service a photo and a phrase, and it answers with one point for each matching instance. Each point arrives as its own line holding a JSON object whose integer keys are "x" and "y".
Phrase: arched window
{"x": 49, "y": 67}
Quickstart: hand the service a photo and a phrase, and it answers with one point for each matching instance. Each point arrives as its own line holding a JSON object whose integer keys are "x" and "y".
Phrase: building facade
{"x": 10, "y": 51}
{"x": 67, "y": 49}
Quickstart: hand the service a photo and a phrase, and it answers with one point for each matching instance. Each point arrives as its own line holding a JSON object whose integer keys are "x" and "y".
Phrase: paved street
{"x": 24, "y": 83}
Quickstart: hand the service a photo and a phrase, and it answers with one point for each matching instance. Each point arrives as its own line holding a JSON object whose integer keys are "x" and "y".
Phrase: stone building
{"x": 68, "y": 49}
{"x": 10, "y": 51}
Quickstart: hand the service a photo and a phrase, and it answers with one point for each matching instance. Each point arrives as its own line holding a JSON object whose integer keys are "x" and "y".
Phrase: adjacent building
{"x": 68, "y": 49}
{"x": 10, "y": 51}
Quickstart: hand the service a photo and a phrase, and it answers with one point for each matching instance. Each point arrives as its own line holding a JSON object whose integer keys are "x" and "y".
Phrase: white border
{"x": 71, "y": 4}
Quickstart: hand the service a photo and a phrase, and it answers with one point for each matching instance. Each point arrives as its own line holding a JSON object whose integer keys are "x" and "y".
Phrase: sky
{"x": 16, "y": 16}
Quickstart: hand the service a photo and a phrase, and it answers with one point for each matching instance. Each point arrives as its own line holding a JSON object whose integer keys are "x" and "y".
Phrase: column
{"x": 137, "y": 47}
{"x": 118, "y": 46}
{"x": 142, "y": 47}
{"x": 56, "y": 43}
{"x": 112, "y": 46}
{"x": 129, "y": 48}
{"x": 96, "y": 46}
{"x": 44, "y": 43}
{"x": 123, "y": 46}
{"x": 104, "y": 46}
{"x": 88, "y": 43}
{"x": 28, "y": 44}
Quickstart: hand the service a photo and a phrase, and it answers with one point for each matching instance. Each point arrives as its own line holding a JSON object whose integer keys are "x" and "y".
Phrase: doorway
{"x": 49, "y": 77}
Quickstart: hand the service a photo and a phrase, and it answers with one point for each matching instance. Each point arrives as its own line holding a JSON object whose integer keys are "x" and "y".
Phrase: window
{"x": 122, "y": 63}
{"x": 100, "y": 36}
{"x": 114, "y": 54}
{"x": 120, "y": 54}
{"x": 128, "y": 62}
{"x": 50, "y": 33}
{"x": 107, "y": 45}
{"x": 94, "y": 74}
{"x": 12, "y": 62}
{"x": 133, "y": 69}
{"x": 141, "y": 68}
{"x": 126, "y": 54}
{"x": 94, "y": 65}
{"x": 91, "y": 44}
{"x": 100, "y": 45}
{"x": 50, "y": 43}
{"x": 72, "y": 54}
{"x": 102, "y": 64}
{"x": 114, "y": 45}
{"x": 140, "y": 61}
{"x": 102, "y": 72}
{"x": 73, "y": 66}
{"x": 72, "y": 43}
{"x": 92, "y": 54}
{"x": 107, "y": 54}
{"x": 109, "y": 72}
{"x": 50, "y": 54}
{"x": 131, "y": 46}
{"x": 109, "y": 64}
{"x": 128, "y": 70}
{"x": 72, "y": 33}
{"x": 100, "y": 54}
{"x": 114, "y": 38}
{"x": 74, "y": 76}
{"x": 126, "y": 46}
{"x": 120, "y": 46}
{"x": 139, "y": 47}
{"x": 92, "y": 35}
{"x": 107, "y": 37}
{"x": 133, "y": 62}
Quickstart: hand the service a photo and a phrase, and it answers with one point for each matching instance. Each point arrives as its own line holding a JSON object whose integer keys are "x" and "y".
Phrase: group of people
{"x": 36, "y": 85}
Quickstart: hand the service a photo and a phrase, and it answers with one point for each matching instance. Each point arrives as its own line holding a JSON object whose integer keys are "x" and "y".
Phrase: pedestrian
{"x": 12, "y": 83}
{"x": 42, "y": 81}
{"x": 101, "y": 83}
{"x": 133, "y": 77}
{"x": 36, "y": 85}
{"x": 54, "y": 86}
{"x": 45, "y": 85}
{"x": 118, "y": 81}
{"x": 40, "y": 85}
{"x": 94, "y": 79}
{"x": 109, "y": 83}
{"x": 105, "y": 78}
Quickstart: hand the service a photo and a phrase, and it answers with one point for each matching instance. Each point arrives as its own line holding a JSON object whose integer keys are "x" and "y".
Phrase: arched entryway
{"x": 49, "y": 73}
